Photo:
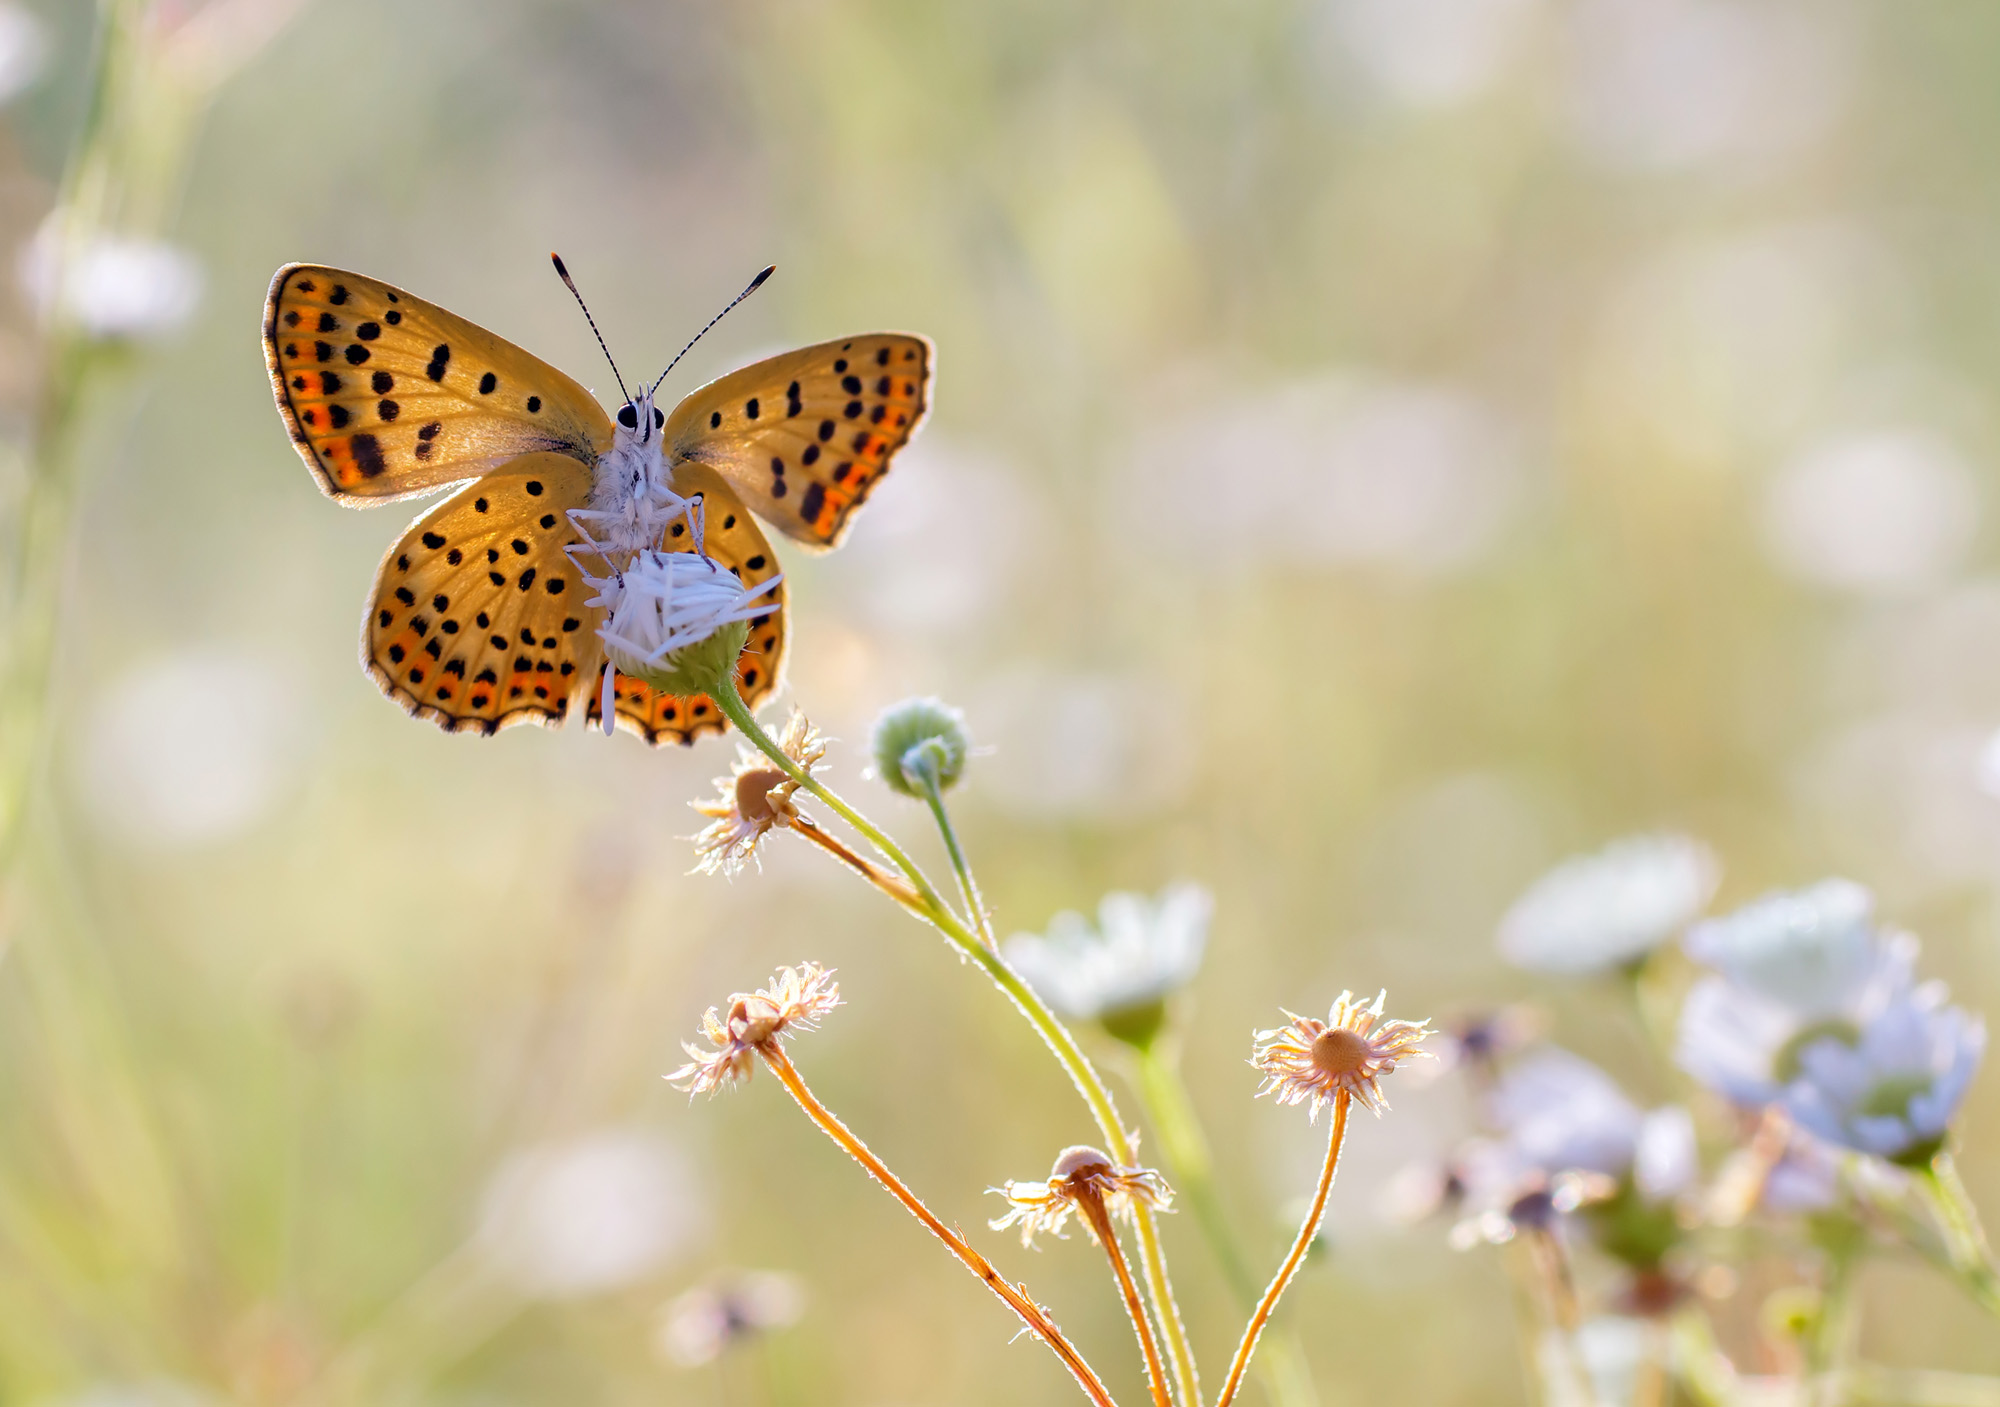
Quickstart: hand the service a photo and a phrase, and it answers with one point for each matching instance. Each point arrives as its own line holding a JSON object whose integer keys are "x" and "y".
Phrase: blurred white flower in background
{"x": 1665, "y": 1157}
{"x": 191, "y": 748}
{"x": 1140, "y": 951}
{"x": 111, "y": 287}
{"x": 1600, "y": 911}
{"x": 700, "y": 1325}
{"x": 595, "y": 1213}
{"x": 1343, "y": 471}
{"x": 943, "y": 541}
{"x": 156, "y": 1392}
{"x": 24, "y": 49}
{"x": 1884, "y": 513}
{"x": 1813, "y": 950}
{"x": 1903, "y": 790}
{"x": 1720, "y": 346}
{"x": 1671, "y": 84}
{"x": 1610, "y": 1348}
{"x": 1084, "y": 743}
{"x": 1426, "y": 54}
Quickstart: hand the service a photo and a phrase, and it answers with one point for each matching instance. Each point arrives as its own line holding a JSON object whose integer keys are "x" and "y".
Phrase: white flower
{"x": 110, "y": 287}
{"x": 24, "y": 46}
{"x": 1611, "y": 1350}
{"x": 1599, "y": 911}
{"x": 1893, "y": 1089}
{"x": 589, "y": 1215}
{"x": 664, "y": 603}
{"x": 1140, "y": 951}
{"x": 699, "y": 1325}
{"x": 1812, "y": 951}
{"x": 1664, "y": 1157}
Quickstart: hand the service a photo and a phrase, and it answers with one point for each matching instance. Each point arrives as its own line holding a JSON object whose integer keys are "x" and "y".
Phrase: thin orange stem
{"x": 1091, "y": 1204}
{"x": 1309, "y": 1229}
{"x": 895, "y": 888}
{"x": 1015, "y": 1297}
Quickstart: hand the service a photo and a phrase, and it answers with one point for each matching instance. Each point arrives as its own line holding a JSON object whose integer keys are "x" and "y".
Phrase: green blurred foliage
{"x": 1377, "y": 451}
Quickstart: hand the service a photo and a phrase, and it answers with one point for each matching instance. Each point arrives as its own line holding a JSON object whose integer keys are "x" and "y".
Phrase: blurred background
{"x": 1380, "y": 448}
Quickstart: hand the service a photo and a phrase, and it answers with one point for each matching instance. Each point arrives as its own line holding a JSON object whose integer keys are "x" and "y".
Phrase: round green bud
{"x": 699, "y": 668}
{"x": 918, "y": 743}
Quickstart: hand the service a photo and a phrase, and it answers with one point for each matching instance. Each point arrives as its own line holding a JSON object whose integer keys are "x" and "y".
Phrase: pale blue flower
{"x": 1793, "y": 968}
{"x": 1599, "y": 911}
{"x": 1806, "y": 1178}
{"x": 1138, "y": 953}
{"x": 1559, "y": 1111}
{"x": 1891, "y": 1091}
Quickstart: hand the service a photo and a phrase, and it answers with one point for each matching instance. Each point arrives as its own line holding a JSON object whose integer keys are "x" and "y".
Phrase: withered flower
{"x": 1310, "y": 1060}
{"x": 795, "y": 1001}
{"x": 754, "y": 799}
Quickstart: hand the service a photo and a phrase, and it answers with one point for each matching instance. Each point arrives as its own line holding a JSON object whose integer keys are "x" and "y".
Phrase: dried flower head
{"x": 1346, "y": 1053}
{"x": 1081, "y": 1175}
{"x": 754, "y": 798}
{"x": 795, "y": 1001}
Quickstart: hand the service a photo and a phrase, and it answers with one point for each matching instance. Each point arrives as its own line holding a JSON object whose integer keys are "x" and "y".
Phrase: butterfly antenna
{"x": 755, "y": 284}
{"x": 570, "y": 284}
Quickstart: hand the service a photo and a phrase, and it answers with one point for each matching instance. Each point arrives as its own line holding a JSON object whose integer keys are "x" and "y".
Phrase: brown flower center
{"x": 1079, "y": 1161}
{"x": 1339, "y": 1052}
{"x": 753, "y": 794}
{"x": 753, "y": 1020}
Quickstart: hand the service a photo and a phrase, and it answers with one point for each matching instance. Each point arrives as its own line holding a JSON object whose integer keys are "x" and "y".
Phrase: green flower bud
{"x": 919, "y": 742}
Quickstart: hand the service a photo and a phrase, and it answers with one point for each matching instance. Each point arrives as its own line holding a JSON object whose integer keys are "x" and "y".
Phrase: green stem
{"x": 967, "y": 886}
{"x": 1282, "y": 1365}
{"x": 1096, "y": 1094}
{"x": 1964, "y": 1238}
{"x": 1165, "y": 1097}
{"x": 1832, "y": 1336}
{"x": 731, "y": 703}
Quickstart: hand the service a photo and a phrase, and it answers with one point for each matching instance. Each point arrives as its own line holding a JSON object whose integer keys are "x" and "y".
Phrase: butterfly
{"x": 478, "y": 619}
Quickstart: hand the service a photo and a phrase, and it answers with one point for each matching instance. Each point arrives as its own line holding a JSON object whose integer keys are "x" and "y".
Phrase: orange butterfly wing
{"x": 805, "y": 437}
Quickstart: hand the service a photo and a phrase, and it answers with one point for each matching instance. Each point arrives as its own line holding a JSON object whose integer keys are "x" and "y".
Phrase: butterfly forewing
{"x": 805, "y": 437}
{"x": 387, "y": 395}
{"x": 732, "y": 538}
{"x": 478, "y": 619}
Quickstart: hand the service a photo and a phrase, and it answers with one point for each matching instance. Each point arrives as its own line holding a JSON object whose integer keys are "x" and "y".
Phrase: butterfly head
{"x": 639, "y": 420}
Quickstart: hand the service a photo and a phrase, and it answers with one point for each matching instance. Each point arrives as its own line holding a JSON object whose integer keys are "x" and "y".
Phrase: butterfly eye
{"x": 628, "y": 416}
{"x": 659, "y": 417}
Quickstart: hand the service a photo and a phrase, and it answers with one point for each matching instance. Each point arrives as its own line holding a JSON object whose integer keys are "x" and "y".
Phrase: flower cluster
{"x": 1814, "y": 1009}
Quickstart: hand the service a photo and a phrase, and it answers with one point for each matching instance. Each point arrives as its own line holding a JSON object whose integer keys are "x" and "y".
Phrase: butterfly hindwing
{"x": 805, "y": 437}
{"x": 387, "y": 395}
{"x": 477, "y": 620}
{"x": 731, "y": 537}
